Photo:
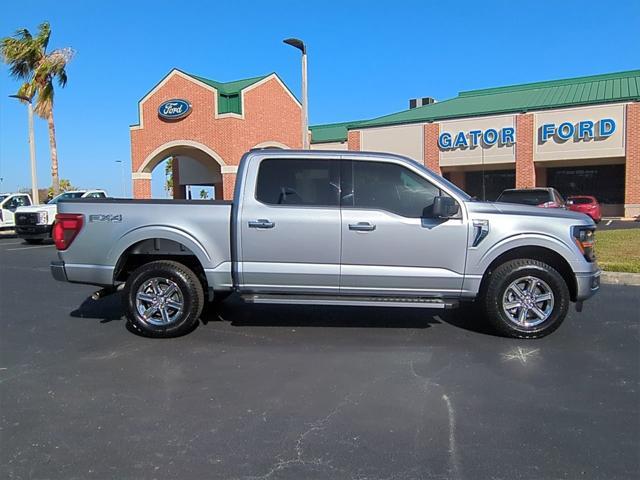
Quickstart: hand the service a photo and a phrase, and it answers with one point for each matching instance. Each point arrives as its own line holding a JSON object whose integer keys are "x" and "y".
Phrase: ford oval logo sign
{"x": 174, "y": 109}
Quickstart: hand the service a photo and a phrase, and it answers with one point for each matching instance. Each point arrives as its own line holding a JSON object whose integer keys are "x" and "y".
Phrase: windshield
{"x": 525, "y": 197}
{"x": 65, "y": 196}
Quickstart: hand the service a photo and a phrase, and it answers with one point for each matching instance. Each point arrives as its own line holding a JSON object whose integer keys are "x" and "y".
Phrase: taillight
{"x": 66, "y": 229}
{"x": 585, "y": 238}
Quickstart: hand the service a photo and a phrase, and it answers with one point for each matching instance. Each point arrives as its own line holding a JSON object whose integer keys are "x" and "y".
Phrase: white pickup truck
{"x": 33, "y": 223}
{"x": 9, "y": 203}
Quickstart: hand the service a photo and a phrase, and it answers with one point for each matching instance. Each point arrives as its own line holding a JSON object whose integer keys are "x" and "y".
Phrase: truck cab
{"x": 9, "y": 203}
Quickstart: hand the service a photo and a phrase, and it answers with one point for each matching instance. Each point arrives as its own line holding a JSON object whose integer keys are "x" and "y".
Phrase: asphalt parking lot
{"x": 308, "y": 393}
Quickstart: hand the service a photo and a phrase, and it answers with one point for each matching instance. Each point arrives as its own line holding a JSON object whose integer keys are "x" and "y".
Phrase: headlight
{"x": 585, "y": 239}
{"x": 43, "y": 218}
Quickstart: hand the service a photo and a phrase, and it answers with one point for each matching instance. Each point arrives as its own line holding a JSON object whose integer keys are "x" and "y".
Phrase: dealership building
{"x": 579, "y": 135}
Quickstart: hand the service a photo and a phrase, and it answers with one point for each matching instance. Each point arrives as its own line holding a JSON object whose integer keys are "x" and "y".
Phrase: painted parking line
{"x": 609, "y": 222}
{"x": 11, "y": 243}
{"x": 28, "y": 248}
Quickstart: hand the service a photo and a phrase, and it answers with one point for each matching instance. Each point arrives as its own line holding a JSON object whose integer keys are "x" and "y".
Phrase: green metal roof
{"x": 330, "y": 132}
{"x": 230, "y": 88}
{"x": 229, "y": 92}
{"x": 607, "y": 88}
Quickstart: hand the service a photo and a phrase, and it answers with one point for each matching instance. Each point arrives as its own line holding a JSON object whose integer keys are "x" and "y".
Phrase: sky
{"x": 366, "y": 59}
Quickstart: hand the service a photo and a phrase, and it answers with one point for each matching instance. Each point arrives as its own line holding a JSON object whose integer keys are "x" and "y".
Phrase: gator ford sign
{"x": 174, "y": 109}
{"x": 473, "y": 138}
{"x": 561, "y": 132}
{"x": 582, "y": 130}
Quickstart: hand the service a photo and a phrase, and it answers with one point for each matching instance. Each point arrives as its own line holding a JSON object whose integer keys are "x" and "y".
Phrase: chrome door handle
{"x": 261, "y": 223}
{"x": 362, "y": 227}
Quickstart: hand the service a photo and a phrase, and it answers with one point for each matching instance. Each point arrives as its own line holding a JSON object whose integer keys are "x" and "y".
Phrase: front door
{"x": 290, "y": 227}
{"x": 391, "y": 245}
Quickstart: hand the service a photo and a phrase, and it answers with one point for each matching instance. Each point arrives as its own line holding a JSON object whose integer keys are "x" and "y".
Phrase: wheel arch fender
{"x": 162, "y": 232}
{"x": 537, "y": 246}
{"x": 526, "y": 240}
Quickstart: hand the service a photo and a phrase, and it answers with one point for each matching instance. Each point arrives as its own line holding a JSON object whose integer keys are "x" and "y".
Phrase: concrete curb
{"x": 620, "y": 278}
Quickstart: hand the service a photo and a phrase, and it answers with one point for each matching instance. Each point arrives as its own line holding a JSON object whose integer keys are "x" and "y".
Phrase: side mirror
{"x": 445, "y": 207}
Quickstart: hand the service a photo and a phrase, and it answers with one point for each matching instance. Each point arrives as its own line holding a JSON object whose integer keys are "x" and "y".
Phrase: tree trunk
{"x": 55, "y": 180}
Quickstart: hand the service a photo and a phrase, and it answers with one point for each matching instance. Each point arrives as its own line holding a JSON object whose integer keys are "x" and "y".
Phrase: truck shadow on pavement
{"x": 237, "y": 313}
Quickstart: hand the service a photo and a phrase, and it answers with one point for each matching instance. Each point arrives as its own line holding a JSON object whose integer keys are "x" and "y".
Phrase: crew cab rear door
{"x": 289, "y": 226}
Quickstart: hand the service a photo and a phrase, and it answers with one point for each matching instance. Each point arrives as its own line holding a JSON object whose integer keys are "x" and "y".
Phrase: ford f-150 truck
{"x": 331, "y": 228}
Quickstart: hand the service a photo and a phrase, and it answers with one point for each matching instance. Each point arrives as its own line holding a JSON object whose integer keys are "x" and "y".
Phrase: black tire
{"x": 33, "y": 241}
{"x": 191, "y": 296}
{"x": 501, "y": 279}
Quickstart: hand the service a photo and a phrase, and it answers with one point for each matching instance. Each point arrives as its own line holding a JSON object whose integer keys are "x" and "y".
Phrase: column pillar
{"x": 179, "y": 191}
{"x": 632, "y": 164}
{"x": 141, "y": 185}
{"x": 525, "y": 168}
{"x": 430, "y": 149}
{"x": 541, "y": 176}
{"x": 458, "y": 178}
{"x": 353, "y": 140}
{"x": 228, "y": 181}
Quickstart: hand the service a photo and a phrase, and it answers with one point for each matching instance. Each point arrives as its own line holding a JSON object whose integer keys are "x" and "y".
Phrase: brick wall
{"x": 525, "y": 168}
{"x": 228, "y": 185}
{"x": 353, "y": 140}
{"x": 431, "y": 151}
{"x": 458, "y": 178}
{"x": 270, "y": 114}
{"x": 632, "y": 167}
{"x": 142, "y": 188}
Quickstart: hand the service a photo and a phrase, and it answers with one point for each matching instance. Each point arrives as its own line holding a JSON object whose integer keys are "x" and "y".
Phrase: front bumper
{"x": 58, "y": 272}
{"x": 33, "y": 231}
{"x": 587, "y": 284}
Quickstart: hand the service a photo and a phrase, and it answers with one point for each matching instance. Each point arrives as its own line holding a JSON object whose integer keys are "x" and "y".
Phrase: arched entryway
{"x": 192, "y": 164}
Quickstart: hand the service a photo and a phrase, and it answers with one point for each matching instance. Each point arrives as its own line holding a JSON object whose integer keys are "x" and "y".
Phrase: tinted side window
{"x": 298, "y": 182}
{"x": 387, "y": 186}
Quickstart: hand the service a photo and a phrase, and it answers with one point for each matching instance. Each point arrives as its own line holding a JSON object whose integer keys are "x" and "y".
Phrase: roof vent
{"x": 421, "y": 102}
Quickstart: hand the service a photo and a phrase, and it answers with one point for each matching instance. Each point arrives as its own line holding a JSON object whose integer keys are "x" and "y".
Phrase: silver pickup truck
{"x": 331, "y": 228}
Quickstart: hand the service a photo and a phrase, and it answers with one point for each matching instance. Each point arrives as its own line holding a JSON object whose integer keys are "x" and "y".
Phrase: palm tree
{"x": 29, "y": 61}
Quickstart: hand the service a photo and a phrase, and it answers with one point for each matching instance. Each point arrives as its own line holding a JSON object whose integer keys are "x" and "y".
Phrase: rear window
{"x": 581, "y": 201}
{"x": 311, "y": 183}
{"x": 525, "y": 197}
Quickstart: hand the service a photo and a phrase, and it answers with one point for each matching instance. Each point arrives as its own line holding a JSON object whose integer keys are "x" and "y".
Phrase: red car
{"x": 585, "y": 204}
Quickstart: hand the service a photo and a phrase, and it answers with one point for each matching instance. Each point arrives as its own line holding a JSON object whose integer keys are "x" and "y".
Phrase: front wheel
{"x": 526, "y": 298}
{"x": 163, "y": 299}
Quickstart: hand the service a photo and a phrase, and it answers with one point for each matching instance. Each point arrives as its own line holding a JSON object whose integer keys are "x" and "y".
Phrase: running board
{"x": 415, "y": 302}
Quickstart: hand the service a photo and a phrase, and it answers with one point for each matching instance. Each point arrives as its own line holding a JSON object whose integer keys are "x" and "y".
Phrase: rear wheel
{"x": 163, "y": 299}
{"x": 526, "y": 298}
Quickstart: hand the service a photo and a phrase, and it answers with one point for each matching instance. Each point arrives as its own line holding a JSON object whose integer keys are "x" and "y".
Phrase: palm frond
{"x": 27, "y": 89}
{"x": 44, "y": 101}
{"x": 44, "y": 33}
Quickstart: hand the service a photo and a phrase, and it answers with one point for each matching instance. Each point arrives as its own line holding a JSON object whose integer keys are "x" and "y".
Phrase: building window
{"x": 495, "y": 181}
{"x": 605, "y": 182}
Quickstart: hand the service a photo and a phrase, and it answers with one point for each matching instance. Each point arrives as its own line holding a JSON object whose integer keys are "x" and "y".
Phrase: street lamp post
{"x": 124, "y": 183}
{"x": 299, "y": 44}
{"x": 32, "y": 149}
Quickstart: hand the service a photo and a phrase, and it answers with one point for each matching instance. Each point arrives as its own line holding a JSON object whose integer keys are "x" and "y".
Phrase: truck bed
{"x": 112, "y": 226}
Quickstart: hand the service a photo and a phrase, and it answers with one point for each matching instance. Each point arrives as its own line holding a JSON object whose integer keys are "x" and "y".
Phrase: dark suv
{"x": 537, "y": 197}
